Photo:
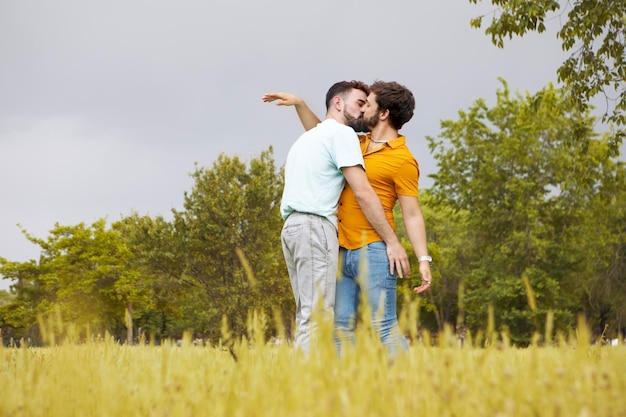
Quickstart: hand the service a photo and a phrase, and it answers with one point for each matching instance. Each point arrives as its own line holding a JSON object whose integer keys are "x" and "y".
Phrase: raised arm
{"x": 416, "y": 231}
{"x": 375, "y": 214}
{"x": 308, "y": 119}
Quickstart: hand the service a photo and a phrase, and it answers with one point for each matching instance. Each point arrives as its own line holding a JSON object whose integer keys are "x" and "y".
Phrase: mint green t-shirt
{"x": 313, "y": 177}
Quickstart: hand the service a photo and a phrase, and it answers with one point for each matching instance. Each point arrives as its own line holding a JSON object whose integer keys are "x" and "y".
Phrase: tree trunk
{"x": 129, "y": 323}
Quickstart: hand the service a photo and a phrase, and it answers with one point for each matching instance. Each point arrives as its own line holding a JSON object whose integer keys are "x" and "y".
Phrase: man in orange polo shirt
{"x": 393, "y": 172}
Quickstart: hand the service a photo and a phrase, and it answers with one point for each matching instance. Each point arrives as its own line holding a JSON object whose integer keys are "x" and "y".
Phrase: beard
{"x": 355, "y": 123}
{"x": 369, "y": 123}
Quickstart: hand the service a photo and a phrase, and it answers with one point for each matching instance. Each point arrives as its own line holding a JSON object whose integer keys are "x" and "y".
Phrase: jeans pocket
{"x": 292, "y": 229}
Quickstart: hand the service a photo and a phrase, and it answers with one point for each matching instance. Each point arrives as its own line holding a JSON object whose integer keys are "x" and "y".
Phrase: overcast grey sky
{"x": 106, "y": 105}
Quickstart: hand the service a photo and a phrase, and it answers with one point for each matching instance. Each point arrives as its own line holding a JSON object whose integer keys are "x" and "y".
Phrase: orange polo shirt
{"x": 392, "y": 170}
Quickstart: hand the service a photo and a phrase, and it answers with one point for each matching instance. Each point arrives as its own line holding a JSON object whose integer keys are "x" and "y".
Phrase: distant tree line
{"x": 219, "y": 258}
{"x": 526, "y": 216}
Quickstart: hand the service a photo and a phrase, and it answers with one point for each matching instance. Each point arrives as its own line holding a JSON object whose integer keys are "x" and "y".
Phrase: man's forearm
{"x": 414, "y": 224}
{"x": 416, "y": 232}
{"x": 308, "y": 119}
{"x": 375, "y": 214}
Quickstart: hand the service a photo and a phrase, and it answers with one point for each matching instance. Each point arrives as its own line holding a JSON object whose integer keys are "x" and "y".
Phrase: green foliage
{"x": 516, "y": 18}
{"x": 606, "y": 247}
{"x": 526, "y": 224}
{"x": 84, "y": 271}
{"x": 155, "y": 257}
{"x": 221, "y": 256}
{"x": 12, "y": 318}
{"x": 595, "y": 33}
{"x": 523, "y": 189}
{"x": 447, "y": 236}
{"x": 230, "y": 230}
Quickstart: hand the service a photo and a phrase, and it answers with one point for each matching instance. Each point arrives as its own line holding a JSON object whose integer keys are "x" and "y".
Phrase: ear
{"x": 338, "y": 103}
{"x": 384, "y": 115}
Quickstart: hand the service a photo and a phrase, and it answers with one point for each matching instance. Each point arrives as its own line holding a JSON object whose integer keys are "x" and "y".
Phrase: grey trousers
{"x": 311, "y": 248}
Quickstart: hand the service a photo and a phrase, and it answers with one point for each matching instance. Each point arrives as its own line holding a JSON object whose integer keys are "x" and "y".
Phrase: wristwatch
{"x": 425, "y": 258}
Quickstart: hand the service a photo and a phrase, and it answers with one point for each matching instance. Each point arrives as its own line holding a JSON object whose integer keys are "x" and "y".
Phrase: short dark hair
{"x": 397, "y": 99}
{"x": 342, "y": 88}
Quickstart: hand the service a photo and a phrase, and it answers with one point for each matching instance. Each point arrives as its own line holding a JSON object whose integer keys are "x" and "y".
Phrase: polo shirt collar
{"x": 394, "y": 143}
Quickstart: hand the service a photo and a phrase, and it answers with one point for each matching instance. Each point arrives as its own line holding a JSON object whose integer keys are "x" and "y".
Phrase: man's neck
{"x": 383, "y": 132}
{"x": 336, "y": 116}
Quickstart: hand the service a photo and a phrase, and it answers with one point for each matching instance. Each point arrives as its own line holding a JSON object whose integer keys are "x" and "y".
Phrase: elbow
{"x": 363, "y": 195}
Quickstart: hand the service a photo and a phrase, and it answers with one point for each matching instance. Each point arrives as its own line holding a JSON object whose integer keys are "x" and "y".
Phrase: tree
{"x": 230, "y": 234}
{"x": 525, "y": 189}
{"x": 595, "y": 33}
{"x": 447, "y": 239}
{"x": 607, "y": 248}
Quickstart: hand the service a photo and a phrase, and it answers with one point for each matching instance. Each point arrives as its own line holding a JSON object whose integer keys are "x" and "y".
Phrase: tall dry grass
{"x": 251, "y": 377}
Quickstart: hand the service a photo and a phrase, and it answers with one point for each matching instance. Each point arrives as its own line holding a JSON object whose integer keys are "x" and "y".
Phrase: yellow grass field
{"x": 255, "y": 379}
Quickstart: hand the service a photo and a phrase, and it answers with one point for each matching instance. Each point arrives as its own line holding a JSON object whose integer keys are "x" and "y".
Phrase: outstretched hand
{"x": 284, "y": 99}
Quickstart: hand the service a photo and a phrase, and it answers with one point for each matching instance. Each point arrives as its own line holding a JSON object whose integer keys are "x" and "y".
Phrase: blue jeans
{"x": 367, "y": 269}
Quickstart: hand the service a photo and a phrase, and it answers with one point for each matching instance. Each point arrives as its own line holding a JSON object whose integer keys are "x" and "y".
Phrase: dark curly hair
{"x": 397, "y": 99}
{"x": 344, "y": 87}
